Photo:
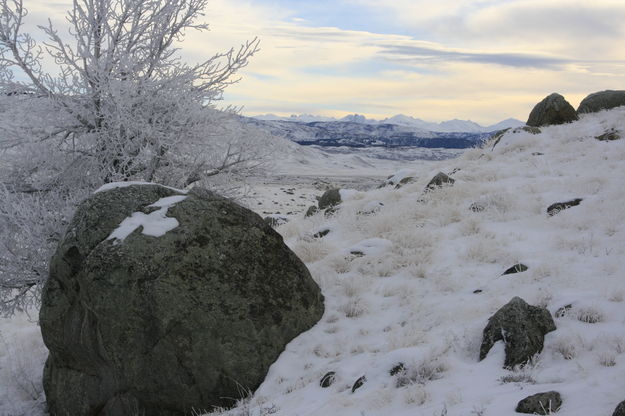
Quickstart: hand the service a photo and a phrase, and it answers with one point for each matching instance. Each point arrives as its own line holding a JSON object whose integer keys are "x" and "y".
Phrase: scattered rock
{"x": 398, "y": 369}
{"x": 602, "y": 100}
{"x": 540, "y": 404}
{"x": 359, "y": 383}
{"x": 476, "y": 291}
{"x": 517, "y": 268}
{"x": 322, "y": 233}
{"x": 439, "y": 181}
{"x": 609, "y": 136}
{"x": 329, "y": 199}
{"x": 275, "y": 220}
{"x": 477, "y": 207}
{"x": 357, "y": 253}
{"x": 522, "y": 327}
{"x": 620, "y": 409}
{"x": 554, "y": 109}
{"x": 328, "y": 379}
{"x": 312, "y": 210}
{"x": 563, "y": 311}
{"x": 553, "y": 209}
{"x": 162, "y": 323}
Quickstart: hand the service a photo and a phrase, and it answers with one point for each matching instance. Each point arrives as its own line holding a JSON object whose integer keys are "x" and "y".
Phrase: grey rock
{"x": 328, "y": 379}
{"x": 439, "y": 181}
{"x": 477, "y": 207}
{"x": 398, "y": 369}
{"x": 517, "y": 268}
{"x": 602, "y": 100}
{"x": 554, "y": 109}
{"x": 563, "y": 311}
{"x": 620, "y": 409}
{"x": 522, "y": 327}
{"x": 496, "y": 138}
{"x": 553, "y": 209}
{"x": 164, "y": 325}
{"x": 404, "y": 181}
{"x": 540, "y": 404}
{"x": 359, "y": 383}
{"x": 329, "y": 199}
{"x": 274, "y": 221}
{"x": 312, "y": 210}
{"x": 322, "y": 233}
{"x": 609, "y": 136}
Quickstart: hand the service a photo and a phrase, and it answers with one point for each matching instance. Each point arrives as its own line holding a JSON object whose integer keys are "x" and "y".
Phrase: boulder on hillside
{"x": 439, "y": 181}
{"x": 517, "y": 268}
{"x": 521, "y": 327}
{"x": 330, "y": 199}
{"x": 620, "y": 409}
{"x": 164, "y": 303}
{"x": 554, "y": 109}
{"x": 602, "y": 100}
{"x": 540, "y": 404}
{"x": 609, "y": 136}
{"x": 312, "y": 210}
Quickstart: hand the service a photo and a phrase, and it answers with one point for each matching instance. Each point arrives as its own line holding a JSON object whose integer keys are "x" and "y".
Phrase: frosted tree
{"x": 109, "y": 101}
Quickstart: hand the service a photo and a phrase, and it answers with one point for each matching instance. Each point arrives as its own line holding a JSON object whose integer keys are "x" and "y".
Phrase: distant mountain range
{"x": 358, "y": 131}
{"x": 450, "y": 126}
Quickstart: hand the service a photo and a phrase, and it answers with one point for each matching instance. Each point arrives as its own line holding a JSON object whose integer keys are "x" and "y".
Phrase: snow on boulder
{"x": 172, "y": 320}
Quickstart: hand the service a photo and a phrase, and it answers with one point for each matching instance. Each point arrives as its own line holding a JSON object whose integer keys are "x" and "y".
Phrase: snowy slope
{"x": 410, "y": 298}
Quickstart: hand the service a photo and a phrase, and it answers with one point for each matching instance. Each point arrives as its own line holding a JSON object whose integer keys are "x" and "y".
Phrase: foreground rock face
{"x": 162, "y": 325}
{"x": 602, "y": 100}
{"x": 522, "y": 327}
{"x": 554, "y": 109}
{"x": 620, "y": 409}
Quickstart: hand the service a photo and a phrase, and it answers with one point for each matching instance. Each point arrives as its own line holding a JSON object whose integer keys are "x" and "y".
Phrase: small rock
{"x": 322, "y": 233}
{"x": 312, "y": 210}
{"x": 517, "y": 268}
{"x": 620, "y": 409}
{"x": 439, "y": 181}
{"x": 537, "y": 154}
{"x": 328, "y": 379}
{"x": 522, "y": 327}
{"x": 330, "y": 198}
{"x": 554, "y": 109}
{"x": 357, "y": 253}
{"x": 476, "y": 291}
{"x": 404, "y": 181}
{"x": 602, "y": 100}
{"x": 553, "y": 209}
{"x": 477, "y": 207}
{"x": 398, "y": 369}
{"x": 609, "y": 136}
{"x": 275, "y": 221}
{"x": 540, "y": 404}
{"x": 358, "y": 384}
{"x": 561, "y": 312}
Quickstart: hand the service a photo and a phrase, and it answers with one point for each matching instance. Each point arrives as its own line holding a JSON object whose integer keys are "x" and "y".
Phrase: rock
{"x": 398, "y": 369}
{"x": 602, "y": 100}
{"x": 165, "y": 323}
{"x": 328, "y": 379}
{"x": 563, "y": 311}
{"x": 312, "y": 210}
{"x": 609, "y": 136}
{"x": 496, "y": 138}
{"x": 477, "y": 207}
{"x": 439, "y": 181}
{"x": 329, "y": 199}
{"x": 553, "y": 209}
{"x": 404, "y": 181}
{"x": 359, "y": 383}
{"x": 322, "y": 233}
{"x": 522, "y": 327}
{"x": 540, "y": 404}
{"x": 477, "y": 291}
{"x": 275, "y": 220}
{"x": 517, "y": 268}
{"x": 554, "y": 109}
{"x": 620, "y": 409}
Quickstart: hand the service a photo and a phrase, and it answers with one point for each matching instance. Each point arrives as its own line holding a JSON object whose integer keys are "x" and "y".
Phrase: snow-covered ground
{"x": 410, "y": 297}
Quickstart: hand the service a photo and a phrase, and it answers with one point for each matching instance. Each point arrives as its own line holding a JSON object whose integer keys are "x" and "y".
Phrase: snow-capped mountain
{"x": 449, "y": 126}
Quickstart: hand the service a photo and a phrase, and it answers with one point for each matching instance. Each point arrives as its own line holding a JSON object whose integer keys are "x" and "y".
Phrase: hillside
{"x": 412, "y": 278}
{"x": 431, "y": 276}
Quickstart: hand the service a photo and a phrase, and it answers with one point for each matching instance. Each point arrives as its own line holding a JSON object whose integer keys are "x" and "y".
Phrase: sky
{"x": 483, "y": 60}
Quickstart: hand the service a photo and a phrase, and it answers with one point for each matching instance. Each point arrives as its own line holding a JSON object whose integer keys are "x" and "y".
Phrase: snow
{"x": 410, "y": 297}
{"x": 154, "y": 224}
{"x": 116, "y": 185}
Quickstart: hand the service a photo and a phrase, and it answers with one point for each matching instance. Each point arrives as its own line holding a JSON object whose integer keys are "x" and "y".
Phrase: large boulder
{"x": 521, "y": 327}
{"x": 163, "y": 303}
{"x": 546, "y": 403}
{"x": 554, "y": 109}
{"x": 330, "y": 199}
{"x": 620, "y": 409}
{"x": 602, "y": 100}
